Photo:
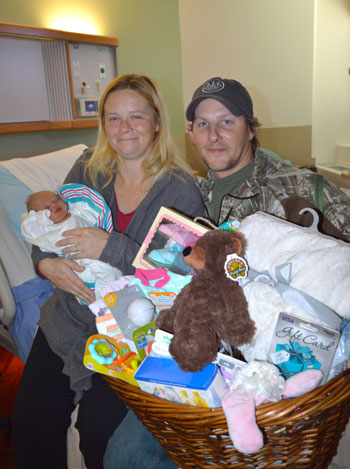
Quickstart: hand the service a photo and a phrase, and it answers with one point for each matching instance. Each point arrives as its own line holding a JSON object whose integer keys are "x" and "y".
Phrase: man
{"x": 242, "y": 178}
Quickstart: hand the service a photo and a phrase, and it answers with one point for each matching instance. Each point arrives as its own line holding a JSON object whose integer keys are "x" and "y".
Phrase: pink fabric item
{"x": 239, "y": 409}
{"x": 153, "y": 274}
{"x": 169, "y": 228}
{"x": 185, "y": 239}
{"x": 302, "y": 382}
{"x": 116, "y": 285}
{"x": 178, "y": 234}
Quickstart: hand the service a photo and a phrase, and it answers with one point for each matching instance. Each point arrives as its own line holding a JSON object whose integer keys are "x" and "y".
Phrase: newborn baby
{"x": 49, "y": 216}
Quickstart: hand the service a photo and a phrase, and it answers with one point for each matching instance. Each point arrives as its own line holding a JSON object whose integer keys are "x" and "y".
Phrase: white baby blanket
{"x": 38, "y": 229}
{"x": 320, "y": 263}
{"x": 320, "y": 267}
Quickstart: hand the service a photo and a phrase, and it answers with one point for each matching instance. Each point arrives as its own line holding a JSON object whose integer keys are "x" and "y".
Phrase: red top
{"x": 123, "y": 218}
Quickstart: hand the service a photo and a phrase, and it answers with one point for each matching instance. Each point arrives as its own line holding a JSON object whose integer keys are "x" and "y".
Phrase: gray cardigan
{"x": 66, "y": 324}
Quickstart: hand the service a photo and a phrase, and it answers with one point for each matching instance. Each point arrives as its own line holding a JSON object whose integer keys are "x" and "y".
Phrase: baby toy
{"x": 102, "y": 351}
{"x": 141, "y": 311}
{"x": 212, "y": 307}
{"x": 121, "y": 362}
{"x": 253, "y": 384}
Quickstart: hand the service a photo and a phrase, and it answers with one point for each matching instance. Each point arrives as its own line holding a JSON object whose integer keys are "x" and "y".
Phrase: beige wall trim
{"x": 338, "y": 180}
{"x": 291, "y": 143}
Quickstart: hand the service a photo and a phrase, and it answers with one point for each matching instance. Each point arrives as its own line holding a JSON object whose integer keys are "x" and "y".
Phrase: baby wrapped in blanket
{"x": 314, "y": 264}
{"x": 72, "y": 206}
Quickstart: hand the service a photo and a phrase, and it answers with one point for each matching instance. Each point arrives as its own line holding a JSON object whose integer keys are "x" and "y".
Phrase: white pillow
{"x": 44, "y": 172}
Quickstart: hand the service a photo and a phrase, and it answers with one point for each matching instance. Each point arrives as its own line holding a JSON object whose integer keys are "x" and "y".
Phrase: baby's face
{"x": 52, "y": 202}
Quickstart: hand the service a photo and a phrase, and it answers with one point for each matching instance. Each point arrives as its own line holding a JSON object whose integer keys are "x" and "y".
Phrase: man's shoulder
{"x": 270, "y": 162}
{"x": 269, "y": 167}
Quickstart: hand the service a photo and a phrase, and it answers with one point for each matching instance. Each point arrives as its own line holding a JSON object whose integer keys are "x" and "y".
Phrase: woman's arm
{"x": 61, "y": 272}
{"x": 84, "y": 242}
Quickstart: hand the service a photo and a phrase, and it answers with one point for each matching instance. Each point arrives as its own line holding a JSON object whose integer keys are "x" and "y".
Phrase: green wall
{"x": 149, "y": 43}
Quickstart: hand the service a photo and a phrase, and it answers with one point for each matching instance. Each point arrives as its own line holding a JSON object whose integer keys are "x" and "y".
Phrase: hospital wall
{"x": 292, "y": 56}
{"x": 149, "y": 43}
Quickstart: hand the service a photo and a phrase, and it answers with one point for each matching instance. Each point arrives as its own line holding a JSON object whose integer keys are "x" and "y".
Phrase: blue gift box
{"x": 300, "y": 358}
{"x": 163, "y": 377}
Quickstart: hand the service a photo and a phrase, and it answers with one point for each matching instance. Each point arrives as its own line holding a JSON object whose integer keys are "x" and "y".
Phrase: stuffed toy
{"x": 212, "y": 307}
{"x": 319, "y": 267}
{"x": 253, "y": 384}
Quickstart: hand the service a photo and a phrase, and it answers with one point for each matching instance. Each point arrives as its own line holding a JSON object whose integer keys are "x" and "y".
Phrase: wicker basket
{"x": 299, "y": 433}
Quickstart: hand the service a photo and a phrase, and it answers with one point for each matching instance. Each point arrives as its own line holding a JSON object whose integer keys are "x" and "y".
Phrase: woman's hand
{"x": 84, "y": 242}
{"x": 61, "y": 272}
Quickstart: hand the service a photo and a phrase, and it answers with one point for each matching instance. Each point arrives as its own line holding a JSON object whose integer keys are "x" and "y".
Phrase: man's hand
{"x": 84, "y": 243}
{"x": 61, "y": 272}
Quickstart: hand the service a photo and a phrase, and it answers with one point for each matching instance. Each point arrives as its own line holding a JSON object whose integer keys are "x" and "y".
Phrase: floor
{"x": 11, "y": 369}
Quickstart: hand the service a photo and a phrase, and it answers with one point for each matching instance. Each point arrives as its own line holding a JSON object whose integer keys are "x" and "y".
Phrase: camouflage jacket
{"x": 270, "y": 183}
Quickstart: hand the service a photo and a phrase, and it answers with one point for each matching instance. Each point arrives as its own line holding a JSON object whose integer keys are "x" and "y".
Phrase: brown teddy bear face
{"x": 194, "y": 257}
{"x": 207, "y": 254}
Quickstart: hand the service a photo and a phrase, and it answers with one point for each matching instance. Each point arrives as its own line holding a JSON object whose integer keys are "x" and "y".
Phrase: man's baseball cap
{"x": 230, "y": 93}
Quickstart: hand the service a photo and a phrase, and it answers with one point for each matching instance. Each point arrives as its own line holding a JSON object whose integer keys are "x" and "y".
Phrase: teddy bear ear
{"x": 237, "y": 245}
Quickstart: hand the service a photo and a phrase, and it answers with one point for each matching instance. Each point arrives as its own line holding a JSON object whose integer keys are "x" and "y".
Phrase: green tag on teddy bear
{"x": 236, "y": 267}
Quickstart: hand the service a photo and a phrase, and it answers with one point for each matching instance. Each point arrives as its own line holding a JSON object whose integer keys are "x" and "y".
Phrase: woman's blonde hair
{"x": 162, "y": 158}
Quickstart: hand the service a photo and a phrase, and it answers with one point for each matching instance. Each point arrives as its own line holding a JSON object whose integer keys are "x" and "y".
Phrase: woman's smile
{"x": 130, "y": 124}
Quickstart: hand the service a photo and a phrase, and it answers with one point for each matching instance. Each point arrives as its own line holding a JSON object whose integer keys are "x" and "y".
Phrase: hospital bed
{"x": 22, "y": 292}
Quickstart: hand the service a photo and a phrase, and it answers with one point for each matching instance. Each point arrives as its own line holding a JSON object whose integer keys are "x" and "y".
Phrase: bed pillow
{"x": 13, "y": 194}
{"x": 20, "y": 177}
{"x": 44, "y": 172}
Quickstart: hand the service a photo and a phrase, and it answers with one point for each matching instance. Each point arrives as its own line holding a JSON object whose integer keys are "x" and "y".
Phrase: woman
{"x": 136, "y": 169}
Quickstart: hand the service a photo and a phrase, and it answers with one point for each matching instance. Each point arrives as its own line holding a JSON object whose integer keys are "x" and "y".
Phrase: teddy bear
{"x": 212, "y": 307}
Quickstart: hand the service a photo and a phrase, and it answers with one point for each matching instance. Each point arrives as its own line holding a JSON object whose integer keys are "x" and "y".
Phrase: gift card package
{"x": 170, "y": 233}
{"x": 163, "y": 378}
{"x": 298, "y": 345}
